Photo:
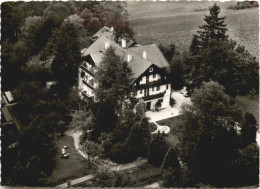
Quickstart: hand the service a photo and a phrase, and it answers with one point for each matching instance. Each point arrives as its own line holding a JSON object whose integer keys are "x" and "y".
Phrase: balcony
{"x": 88, "y": 70}
{"x": 88, "y": 84}
{"x": 151, "y": 97}
{"x": 152, "y": 84}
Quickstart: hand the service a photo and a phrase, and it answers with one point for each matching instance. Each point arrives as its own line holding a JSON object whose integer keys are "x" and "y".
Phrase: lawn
{"x": 176, "y": 22}
{"x": 65, "y": 169}
{"x": 173, "y": 123}
{"x": 250, "y": 104}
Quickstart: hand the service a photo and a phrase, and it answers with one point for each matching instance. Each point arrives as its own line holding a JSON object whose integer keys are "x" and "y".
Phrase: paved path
{"x": 154, "y": 185}
{"x": 114, "y": 167}
{"x": 169, "y": 111}
{"x": 77, "y": 181}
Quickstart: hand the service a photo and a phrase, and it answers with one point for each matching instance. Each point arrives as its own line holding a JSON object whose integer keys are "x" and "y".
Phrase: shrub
{"x": 157, "y": 150}
{"x": 158, "y": 105}
{"x": 153, "y": 127}
{"x": 172, "y": 102}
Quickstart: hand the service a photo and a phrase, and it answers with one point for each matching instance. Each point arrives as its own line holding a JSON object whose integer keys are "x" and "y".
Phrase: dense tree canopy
{"x": 232, "y": 67}
{"x": 215, "y": 57}
{"x": 209, "y": 138}
{"x": 67, "y": 57}
{"x": 157, "y": 150}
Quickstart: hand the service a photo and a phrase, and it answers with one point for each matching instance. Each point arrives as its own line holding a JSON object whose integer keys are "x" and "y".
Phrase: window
{"x": 158, "y": 87}
{"x": 141, "y": 91}
{"x": 154, "y": 75}
{"x": 83, "y": 74}
{"x": 151, "y": 69}
{"x": 141, "y": 80}
{"x": 167, "y": 87}
{"x": 152, "y": 88}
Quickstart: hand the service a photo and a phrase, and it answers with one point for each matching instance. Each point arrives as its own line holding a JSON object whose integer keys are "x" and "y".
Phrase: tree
{"x": 177, "y": 71}
{"x": 91, "y": 150}
{"x": 67, "y": 57}
{"x": 102, "y": 176}
{"x": 209, "y": 137}
{"x": 247, "y": 165}
{"x": 11, "y": 21}
{"x": 35, "y": 150}
{"x": 214, "y": 27}
{"x": 83, "y": 120}
{"x": 170, "y": 160}
{"x": 125, "y": 121}
{"x": 222, "y": 62}
{"x": 168, "y": 51}
{"x": 157, "y": 150}
{"x": 93, "y": 25}
{"x": 171, "y": 178}
{"x": 249, "y": 129}
{"x": 115, "y": 15}
{"x": 139, "y": 110}
{"x": 114, "y": 80}
{"x": 106, "y": 120}
{"x": 194, "y": 46}
{"x": 139, "y": 139}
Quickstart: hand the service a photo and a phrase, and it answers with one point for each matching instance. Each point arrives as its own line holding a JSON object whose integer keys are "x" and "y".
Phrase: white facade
{"x": 85, "y": 77}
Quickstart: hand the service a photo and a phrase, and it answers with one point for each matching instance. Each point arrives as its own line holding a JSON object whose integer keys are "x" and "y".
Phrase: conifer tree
{"x": 171, "y": 160}
{"x": 114, "y": 80}
{"x": 67, "y": 57}
{"x": 157, "y": 150}
{"x": 194, "y": 46}
{"x": 214, "y": 27}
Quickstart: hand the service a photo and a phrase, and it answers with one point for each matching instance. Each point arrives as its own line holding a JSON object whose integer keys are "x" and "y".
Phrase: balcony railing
{"x": 152, "y": 84}
{"x": 150, "y": 97}
{"x": 88, "y": 70}
{"x": 88, "y": 84}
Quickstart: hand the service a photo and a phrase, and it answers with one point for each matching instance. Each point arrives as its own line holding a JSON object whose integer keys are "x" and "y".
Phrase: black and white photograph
{"x": 136, "y": 94}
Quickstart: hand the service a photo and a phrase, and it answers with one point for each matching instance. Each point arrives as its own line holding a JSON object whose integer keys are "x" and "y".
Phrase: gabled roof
{"x": 97, "y": 49}
{"x": 138, "y": 64}
{"x": 105, "y": 31}
{"x": 154, "y": 54}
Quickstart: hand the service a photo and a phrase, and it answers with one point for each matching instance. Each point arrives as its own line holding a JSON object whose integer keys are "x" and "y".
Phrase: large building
{"x": 147, "y": 63}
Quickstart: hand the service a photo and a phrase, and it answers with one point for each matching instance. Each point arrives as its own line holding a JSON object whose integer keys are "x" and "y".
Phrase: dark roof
{"x": 138, "y": 64}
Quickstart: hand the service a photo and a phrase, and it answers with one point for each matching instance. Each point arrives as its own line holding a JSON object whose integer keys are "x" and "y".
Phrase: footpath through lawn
{"x": 65, "y": 169}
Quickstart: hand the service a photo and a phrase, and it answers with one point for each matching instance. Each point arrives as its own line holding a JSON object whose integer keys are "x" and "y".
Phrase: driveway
{"x": 169, "y": 111}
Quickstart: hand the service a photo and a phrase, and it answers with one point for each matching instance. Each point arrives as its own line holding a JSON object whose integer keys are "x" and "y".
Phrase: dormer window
{"x": 151, "y": 69}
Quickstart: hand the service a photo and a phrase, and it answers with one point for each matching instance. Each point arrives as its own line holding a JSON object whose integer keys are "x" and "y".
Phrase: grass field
{"x": 65, "y": 169}
{"x": 173, "y": 123}
{"x": 176, "y": 22}
{"x": 250, "y": 104}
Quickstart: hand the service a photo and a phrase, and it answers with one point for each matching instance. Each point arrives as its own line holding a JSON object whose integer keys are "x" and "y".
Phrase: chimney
{"x": 123, "y": 43}
{"x": 145, "y": 55}
{"x": 112, "y": 29}
{"x": 129, "y": 57}
{"x": 107, "y": 45}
